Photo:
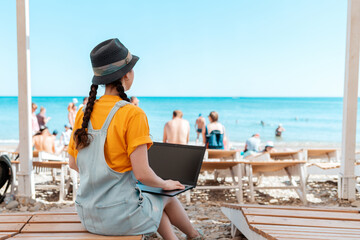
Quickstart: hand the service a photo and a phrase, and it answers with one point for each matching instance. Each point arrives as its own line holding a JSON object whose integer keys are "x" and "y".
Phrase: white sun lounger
{"x": 259, "y": 222}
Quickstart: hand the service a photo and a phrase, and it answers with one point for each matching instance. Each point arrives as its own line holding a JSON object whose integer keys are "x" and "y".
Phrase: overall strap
{"x": 117, "y": 106}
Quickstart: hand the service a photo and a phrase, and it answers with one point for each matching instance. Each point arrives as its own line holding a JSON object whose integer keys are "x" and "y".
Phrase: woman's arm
{"x": 143, "y": 172}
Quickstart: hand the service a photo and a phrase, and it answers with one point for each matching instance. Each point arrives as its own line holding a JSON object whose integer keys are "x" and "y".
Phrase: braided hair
{"x": 120, "y": 88}
{"x": 81, "y": 137}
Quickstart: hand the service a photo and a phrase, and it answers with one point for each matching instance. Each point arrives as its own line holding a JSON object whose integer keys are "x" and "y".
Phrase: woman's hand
{"x": 172, "y": 185}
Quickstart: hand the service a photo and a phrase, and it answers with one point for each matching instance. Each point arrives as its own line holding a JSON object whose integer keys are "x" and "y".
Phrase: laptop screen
{"x": 177, "y": 162}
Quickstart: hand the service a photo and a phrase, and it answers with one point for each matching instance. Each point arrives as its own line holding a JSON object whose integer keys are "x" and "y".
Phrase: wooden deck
{"x": 48, "y": 226}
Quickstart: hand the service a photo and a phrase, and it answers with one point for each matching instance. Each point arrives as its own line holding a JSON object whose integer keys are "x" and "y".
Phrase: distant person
{"x": 177, "y": 130}
{"x": 34, "y": 120}
{"x": 262, "y": 123}
{"x": 279, "y": 130}
{"x": 214, "y": 134}
{"x": 252, "y": 145}
{"x": 44, "y": 141}
{"x": 134, "y": 100}
{"x": 55, "y": 133}
{"x": 75, "y": 101}
{"x": 42, "y": 119}
{"x": 85, "y": 101}
{"x": 72, "y": 115}
{"x": 269, "y": 147}
{"x": 199, "y": 126}
{"x": 65, "y": 136}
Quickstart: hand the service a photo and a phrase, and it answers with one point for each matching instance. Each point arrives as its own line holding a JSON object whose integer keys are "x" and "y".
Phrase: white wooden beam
{"x": 25, "y": 176}
{"x": 346, "y": 185}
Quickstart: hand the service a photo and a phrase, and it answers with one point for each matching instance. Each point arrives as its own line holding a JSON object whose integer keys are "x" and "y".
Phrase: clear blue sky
{"x": 186, "y": 48}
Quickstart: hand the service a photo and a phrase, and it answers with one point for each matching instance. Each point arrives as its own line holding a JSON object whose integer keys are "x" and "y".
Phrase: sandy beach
{"x": 204, "y": 208}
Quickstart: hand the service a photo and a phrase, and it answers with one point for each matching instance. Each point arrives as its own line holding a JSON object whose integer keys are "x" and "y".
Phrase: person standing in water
{"x": 199, "y": 126}
{"x": 279, "y": 130}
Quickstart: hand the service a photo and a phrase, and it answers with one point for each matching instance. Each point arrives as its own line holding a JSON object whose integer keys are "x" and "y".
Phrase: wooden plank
{"x": 218, "y": 154}
{"x": 301, "y": 214}
{"x": 53, "y": 228}
{"x": 14, "y": 219}
{"x": 55, "y": 213}
{"x": 310, "y": 230}
{"x": 16, "y": 214}
{"x": 326, "y": 166}
{"x": 72, "y": 236}
{"x": 314, "y": 237}
{"x": 49, "y": 164}
{"x": 55, "y": 219}
{"x": 312, "y": 153}
{"x": 284, "y": 162}
{"x": 6, "y": 235}
{"x": 322, "y": 209}
{"x": 282, "y": 155}
{"x": 269, "y": 167}
{"x": 218, "y": 165}
{"x": 302, "y": 222}
{"x": 11, "y": 227}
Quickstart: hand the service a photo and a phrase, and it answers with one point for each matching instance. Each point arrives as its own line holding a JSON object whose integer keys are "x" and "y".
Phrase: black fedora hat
{"x": 111, "y": 60}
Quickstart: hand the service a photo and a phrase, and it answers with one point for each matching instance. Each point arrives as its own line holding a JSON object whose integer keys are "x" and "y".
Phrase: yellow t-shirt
{"x": 128, "y": 129}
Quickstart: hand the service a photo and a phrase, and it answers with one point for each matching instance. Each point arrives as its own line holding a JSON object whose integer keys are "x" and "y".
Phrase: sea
{"x": 307, "y": 121}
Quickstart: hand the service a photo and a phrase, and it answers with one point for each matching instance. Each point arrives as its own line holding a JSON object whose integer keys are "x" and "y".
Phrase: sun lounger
{"x": 273, "y": 168}
{"x": 288, "y": 164}
{"x": 324, "y": 155}
{"x": 48, "y": 164}
{"x": 282, "y": 222}
{"x": 323, "y": 162}
{"x": 215, "y": 160}
{"x": 48, "y": 226}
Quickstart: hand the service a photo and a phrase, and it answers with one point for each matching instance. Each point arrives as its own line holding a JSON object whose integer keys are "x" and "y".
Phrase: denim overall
{"x": 108, "y": 202}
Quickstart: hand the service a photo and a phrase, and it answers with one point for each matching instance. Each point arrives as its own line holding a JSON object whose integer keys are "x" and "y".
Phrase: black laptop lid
{"x": 177, "y": 162}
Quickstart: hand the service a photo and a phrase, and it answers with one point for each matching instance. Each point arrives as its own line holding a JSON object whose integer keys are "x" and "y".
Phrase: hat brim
{"x": 106, "y": 79}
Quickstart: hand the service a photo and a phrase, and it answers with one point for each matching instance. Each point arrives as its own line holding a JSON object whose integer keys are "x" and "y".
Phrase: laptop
{"x": 176, "y": 162}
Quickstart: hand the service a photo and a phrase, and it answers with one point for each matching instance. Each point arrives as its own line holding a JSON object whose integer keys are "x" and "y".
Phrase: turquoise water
{"x": 305, "y": 119}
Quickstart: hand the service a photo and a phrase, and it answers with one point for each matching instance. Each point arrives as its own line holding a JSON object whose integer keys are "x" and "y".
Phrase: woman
{"x": 269, "y": 147}
{"x": 72, "y": 114}
{"x": 214, "y": 134}
{"x": 109, "y": 150}
{"x": 42, "y": 119}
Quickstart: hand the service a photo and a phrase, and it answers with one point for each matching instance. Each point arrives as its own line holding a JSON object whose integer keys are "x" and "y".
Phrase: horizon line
{"x": 81, "y": 96}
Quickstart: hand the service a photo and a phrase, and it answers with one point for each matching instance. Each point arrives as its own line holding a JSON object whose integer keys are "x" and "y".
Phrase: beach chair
{"x": 324, "y": 155}
{"x": 322, "y": 162}
{"x": 65, "y": 170}
{"x": 259, "y": 222}
{"x": 53, "y": 162}
{"x": 52, "y": 165}
{"x": 288, "y": 164}
{"x": 215, "y": 160}
{"x": 47, "y": 226}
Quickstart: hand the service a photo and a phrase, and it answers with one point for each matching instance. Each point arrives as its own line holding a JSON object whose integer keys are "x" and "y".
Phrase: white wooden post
{"x": 25, "y": 175}
{"x": 346, "y": 185}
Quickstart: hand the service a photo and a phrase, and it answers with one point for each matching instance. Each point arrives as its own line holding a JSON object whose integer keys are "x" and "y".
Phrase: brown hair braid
{"x": 121, "y": 90}
{"x": 81, "y": 137}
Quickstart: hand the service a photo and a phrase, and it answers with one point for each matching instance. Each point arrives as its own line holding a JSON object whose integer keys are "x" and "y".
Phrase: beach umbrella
{"x": 25, "y": 175}
{"x": 347, "y": 180}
